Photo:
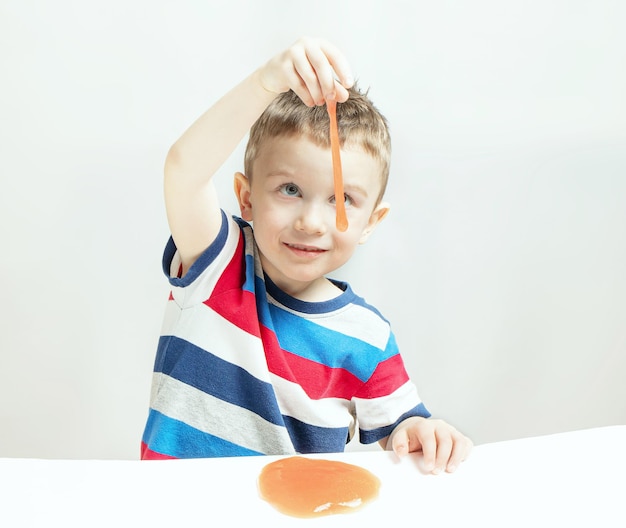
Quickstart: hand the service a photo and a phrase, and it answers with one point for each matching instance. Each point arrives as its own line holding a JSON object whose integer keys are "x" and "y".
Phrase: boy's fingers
{"x": 429, "y": 450}
{"x": 308, "y": 86}
{"x": 444, "y": 450}
{"x": 322, "y": 77}
{"x": 314, "y": 69}
{"x": 331, "y": 68}
{"x": 400, "y": 443}
{"x": 460, "y": 451}
{"x": 456, "y": 456}
{"x": 339, "y": 63}
{"x": 341, "y": 94}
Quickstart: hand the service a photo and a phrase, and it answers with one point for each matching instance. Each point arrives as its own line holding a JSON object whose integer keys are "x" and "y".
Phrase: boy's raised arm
{"x": 193, "y": 211}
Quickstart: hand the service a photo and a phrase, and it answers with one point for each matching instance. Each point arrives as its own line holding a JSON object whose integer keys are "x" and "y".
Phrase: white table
{"x": 568, "y": 479}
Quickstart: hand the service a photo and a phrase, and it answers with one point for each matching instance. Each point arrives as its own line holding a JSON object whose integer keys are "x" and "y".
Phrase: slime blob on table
{"x": 309, "y": 487}
{"x": 342, "y": 219}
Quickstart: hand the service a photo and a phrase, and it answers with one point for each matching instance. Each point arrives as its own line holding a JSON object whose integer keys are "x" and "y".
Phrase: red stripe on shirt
{"x": 148, "y": 454}
{"x": 387, "y": 378}
{"x": 230, "y": 301}
{"x": 317, "y": 380}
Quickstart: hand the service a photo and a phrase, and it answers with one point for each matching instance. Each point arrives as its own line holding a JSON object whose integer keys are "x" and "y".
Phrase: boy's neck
{"x": 319, "y": 290}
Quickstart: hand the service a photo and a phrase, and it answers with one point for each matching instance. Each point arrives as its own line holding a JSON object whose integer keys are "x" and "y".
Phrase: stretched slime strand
{"x": 341, "y": 220}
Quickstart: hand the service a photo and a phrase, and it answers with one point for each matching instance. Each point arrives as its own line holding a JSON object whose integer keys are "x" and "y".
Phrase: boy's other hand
{"x": 313, "y": 68}
{"x": 442, "y": 446}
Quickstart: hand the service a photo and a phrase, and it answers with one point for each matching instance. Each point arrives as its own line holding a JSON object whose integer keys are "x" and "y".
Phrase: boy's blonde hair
{"x": 359, "y": 121}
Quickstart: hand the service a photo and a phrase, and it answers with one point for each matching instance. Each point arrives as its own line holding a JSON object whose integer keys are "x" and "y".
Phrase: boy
{"x": 260, "y": 353}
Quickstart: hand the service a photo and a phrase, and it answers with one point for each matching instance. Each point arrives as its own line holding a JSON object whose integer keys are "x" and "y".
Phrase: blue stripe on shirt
{"x": 228, "y": 382}
{"x": 180, "y": 440}
{"x": 308, "y": 438}
{"x": 328, "y": 347}
{"x": 373, "y": 435}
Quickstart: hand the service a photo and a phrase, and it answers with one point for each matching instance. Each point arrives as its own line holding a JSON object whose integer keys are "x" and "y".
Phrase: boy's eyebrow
{"x": 278, "y": 173}
{"x": 355, "y": 187}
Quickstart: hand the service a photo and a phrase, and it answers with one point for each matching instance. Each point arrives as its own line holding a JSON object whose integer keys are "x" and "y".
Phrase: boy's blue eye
{"x": 290, "y": 189}
{"x": 346, "y": 198}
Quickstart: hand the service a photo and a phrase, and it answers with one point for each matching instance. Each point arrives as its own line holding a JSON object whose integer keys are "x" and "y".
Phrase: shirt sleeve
{"x": 198, "y": 283}
{"x": 387, "y": 398}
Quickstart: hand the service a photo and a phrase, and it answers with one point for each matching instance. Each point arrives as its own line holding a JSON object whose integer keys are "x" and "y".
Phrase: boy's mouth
{"x": 299, "y": 248}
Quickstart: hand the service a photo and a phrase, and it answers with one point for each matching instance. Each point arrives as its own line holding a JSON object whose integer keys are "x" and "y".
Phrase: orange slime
{"x": 307, "y": 487}
{"x": 342, "y": 220}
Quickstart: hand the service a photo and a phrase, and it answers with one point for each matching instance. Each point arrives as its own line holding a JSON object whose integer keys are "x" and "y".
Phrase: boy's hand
{"x": 443, "y": 447}
{"x": 310, "y": 68}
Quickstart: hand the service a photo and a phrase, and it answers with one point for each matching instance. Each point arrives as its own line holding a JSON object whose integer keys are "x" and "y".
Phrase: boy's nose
{"x": 311, "y": 219}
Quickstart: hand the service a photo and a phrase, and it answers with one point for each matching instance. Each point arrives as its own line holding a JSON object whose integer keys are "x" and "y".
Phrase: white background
{"x": 502, "y": 265}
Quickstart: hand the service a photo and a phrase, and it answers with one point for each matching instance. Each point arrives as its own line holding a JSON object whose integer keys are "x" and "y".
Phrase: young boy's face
{"x": 291, "y": 203}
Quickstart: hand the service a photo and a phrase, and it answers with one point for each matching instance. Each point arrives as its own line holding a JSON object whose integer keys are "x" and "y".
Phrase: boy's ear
{"x": 377, "y": 216}
{"x": 242, "y": 192}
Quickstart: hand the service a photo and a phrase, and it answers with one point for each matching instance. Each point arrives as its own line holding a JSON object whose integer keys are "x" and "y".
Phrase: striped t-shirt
{"x": 244, "y": 369}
